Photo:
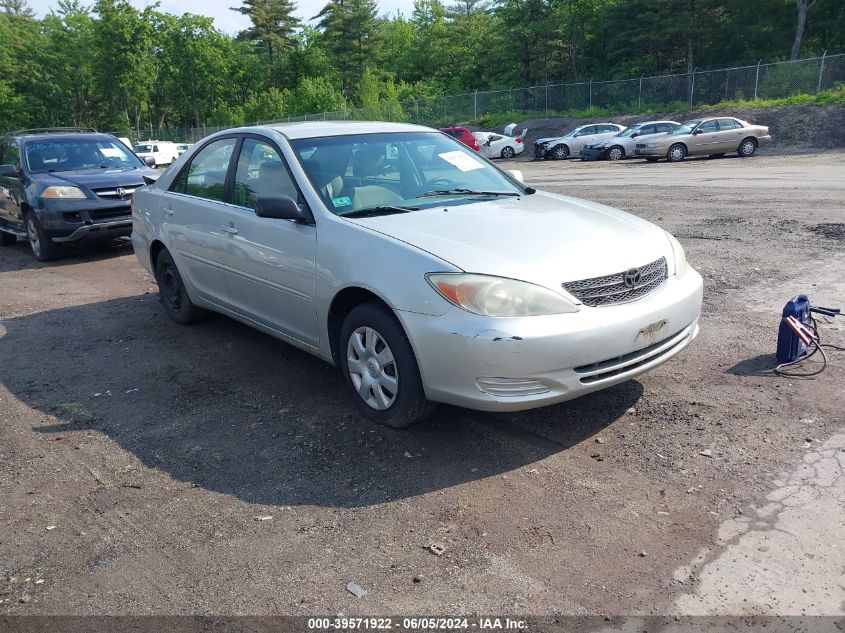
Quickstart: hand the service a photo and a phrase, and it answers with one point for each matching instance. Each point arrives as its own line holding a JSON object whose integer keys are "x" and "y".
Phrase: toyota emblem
{"x": 121, "y": 193}
{"x": 632, "y": 277}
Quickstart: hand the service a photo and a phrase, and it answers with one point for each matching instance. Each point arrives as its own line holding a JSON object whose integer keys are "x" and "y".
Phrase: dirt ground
{"x": 148, "y": 468}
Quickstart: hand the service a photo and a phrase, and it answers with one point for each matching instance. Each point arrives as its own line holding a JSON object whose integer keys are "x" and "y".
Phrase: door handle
{"x": 228, "y": 228}
{"x": 168, "y": 211}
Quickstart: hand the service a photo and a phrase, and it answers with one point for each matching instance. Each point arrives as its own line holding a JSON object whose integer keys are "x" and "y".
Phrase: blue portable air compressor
{"x": 790, "y": 346}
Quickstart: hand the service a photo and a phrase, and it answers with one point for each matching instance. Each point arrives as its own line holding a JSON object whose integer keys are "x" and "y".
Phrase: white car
{"x": 161, "y": 152}
{"x": 622, "y": 145}
{"x": 422, "y": 270}
{"x": 498, "y": 145}
{"x": 561, "y": 147}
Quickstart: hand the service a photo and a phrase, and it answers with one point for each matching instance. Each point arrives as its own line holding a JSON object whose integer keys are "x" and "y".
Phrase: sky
{"x": 224, "y": 18}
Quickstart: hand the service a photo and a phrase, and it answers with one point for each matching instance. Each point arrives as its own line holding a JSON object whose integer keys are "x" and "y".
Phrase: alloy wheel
{"x": 372, "y": 368}
{"x": 615, "y": 153}
{"x": 32, "y": 234}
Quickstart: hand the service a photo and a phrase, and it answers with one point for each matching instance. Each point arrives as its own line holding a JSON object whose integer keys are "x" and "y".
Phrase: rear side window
{"x": 729, "y": 124}
{"x": 9, "y": 154}
{"x": 608, "y": 128}
{"x": 205, "y": 177}
{"x": 665, "y": 127}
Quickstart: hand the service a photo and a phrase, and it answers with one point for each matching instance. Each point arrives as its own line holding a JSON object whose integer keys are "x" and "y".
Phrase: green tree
{"x": 273, "y": 24}
{"x": 349, "y": 34}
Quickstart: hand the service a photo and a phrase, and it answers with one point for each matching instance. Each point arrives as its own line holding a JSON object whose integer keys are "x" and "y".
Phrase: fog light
{"x": 511, "y": 387}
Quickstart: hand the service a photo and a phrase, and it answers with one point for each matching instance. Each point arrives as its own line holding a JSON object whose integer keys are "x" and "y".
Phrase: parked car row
{"x": 490, "y": 144}
{"x": 655, "y": 140}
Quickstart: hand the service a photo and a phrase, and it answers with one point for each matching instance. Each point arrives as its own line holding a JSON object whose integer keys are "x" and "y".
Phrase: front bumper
{"x": 592, "y": 153}
{"x": 504, "y": 364}
{"x": 74, "y": 220}
{"x": 541, "y": 152}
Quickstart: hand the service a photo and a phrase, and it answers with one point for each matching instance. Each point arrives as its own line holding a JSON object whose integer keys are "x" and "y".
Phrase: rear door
{"x": 191, "y": 217}
{"x": 269, "y": 263}
{"x": 731, "y": 133}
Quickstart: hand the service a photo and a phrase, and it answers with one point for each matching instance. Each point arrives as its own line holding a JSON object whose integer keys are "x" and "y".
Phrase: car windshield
{"x": 395, "y": 172}
{"x": 70, "y": 155}
{"x": 686, "y": 127}
{"x": 143, "y": 149}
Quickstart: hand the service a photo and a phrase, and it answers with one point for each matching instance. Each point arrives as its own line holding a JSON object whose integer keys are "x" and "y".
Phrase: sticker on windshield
{"x": 111, "y": 152}
{"x": 342, "y": 201}
{"x": 462, "y": 161}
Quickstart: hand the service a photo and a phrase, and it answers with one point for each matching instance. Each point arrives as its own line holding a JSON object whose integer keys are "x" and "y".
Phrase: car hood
{"x": 96, "y": 178}
{"x": 545, "y": 238}
{"x": 552, "y": 139}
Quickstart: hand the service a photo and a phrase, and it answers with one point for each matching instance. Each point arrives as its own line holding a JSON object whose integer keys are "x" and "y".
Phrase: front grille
{"x": 106, "y": 214}
{"x": 111, "y": 193}
{"x": 611, "y": 289}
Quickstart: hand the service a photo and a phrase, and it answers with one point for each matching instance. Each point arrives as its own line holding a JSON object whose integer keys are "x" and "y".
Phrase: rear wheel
{"x": 615, "y": 153}
{"x": 42, "y": 246}
{"x": 380, "y": 368}
{"x": 508, "y": 152}
{"x": 560, "y": 152}
{"x": 676, "y": 153}
{"x": 8, "y": 239}
{"x": 174, "y": 295}
{"x": 747, "y": 147}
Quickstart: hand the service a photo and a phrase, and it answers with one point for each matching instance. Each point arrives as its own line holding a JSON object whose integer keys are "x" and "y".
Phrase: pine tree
{"x": 273, "y": 24}
{"x": 349, "y": 28}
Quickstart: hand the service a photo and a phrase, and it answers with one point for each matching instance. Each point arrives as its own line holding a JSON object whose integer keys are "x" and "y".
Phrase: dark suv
{"x": 61, "y": 185}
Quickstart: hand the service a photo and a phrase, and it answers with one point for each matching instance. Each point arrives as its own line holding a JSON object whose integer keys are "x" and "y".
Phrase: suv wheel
{"x": 380, "y": 369}
{"x": 42, "y": 246}
{"x": 174, "y": 295}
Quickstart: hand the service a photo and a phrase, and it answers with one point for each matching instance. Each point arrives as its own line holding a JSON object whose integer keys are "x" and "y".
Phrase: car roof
{"x": 64, "y": 136}
{"x": 312, "y": 129}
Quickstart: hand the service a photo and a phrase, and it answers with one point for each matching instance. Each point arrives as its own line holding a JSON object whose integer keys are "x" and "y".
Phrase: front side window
{"x": 413, "y": 170}
{"x": 78, "y": 154}
{"x": 261, "y": 172}
{"x": 709, "y": 126}
{"x": 205, "y": 177}
{"x": 687, "y": 127}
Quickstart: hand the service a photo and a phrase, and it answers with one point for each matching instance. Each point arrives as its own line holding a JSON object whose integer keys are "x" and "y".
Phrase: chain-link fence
{"x": 661, "y": 93}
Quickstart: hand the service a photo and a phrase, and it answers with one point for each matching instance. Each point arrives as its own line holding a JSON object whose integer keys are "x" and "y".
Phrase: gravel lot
{"x": 151, "y": 468}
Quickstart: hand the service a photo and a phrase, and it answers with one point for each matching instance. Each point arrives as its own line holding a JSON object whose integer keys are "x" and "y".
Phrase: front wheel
{"x": 615, "y": 153}
{"x": 174, "y": 295}
{"x": 747, "y": 148}
{"x": 676, "y": 153}
{"x": 508, "y": 152}
{"x": 42, "y": 246}
{"x": 380, "y": 368}
{"x": 560, "y": 152}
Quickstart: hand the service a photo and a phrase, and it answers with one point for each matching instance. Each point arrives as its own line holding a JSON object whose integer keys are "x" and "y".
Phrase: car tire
{"x": 747, "y": 148}
{"x": 652, "y": 159}
{"x": 508, "y": 152}
{"x": 173, "y": 293}
{"x": 676, "y": 153}
{"x": 43, "y": 248}
{"x": 560, "y": 152}
{"x": 616, "y": 153}
{"x": 380, "y": 368}
{"x": 8, "y": 239}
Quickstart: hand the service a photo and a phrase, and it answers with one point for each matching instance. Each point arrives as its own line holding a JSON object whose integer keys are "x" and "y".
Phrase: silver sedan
{"x": 423, "y": 271}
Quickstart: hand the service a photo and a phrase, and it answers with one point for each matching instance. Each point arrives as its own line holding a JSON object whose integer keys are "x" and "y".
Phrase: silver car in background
{"x": 622, "y": 145}
{"x": 570, "y": 144}
{"x": 417, "y": 266}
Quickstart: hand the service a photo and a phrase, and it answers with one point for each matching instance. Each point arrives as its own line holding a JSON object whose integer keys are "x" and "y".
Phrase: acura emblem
{"x": 121, "y": 193}
{"x": 632, "y": 277}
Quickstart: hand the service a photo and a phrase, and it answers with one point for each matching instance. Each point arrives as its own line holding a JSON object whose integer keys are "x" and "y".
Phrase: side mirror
{"x": 150, "y": 178}
{"x": 698, "y": 131}
{"x": 517, "y": 173}
{"x": 149, "y": 161}
{"x": 280, "y": 208}
{"x": 9, "y": 171}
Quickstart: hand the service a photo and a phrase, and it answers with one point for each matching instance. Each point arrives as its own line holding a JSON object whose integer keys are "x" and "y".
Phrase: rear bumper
{"x": 504, "y": 364}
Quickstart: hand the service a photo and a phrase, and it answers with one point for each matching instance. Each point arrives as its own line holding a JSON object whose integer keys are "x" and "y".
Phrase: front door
{"x": 705, "y": 140}
{"x": 270, "y": 264}
{"x": 11, "y": 187}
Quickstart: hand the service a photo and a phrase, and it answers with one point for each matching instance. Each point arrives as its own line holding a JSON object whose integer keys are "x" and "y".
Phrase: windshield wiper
{"x": 380, "y": 210}
{"x": 466, "y": 192}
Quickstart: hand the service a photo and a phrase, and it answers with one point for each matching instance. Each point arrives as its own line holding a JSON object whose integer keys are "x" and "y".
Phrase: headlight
{"x": 497, "y": 296}
{"x": 72, "y": 193}
{"x": 681, "y": 266}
